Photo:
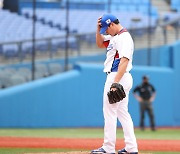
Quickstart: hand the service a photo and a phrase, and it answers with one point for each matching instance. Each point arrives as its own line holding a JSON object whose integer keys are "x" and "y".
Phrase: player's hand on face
{"x": 99, "y": 23}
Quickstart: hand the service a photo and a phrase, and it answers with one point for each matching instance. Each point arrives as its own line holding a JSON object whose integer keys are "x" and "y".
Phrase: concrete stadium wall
{"x": 74, "y": 98}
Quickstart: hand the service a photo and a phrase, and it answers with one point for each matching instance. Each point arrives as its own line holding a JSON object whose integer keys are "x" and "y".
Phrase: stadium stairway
{"x": 164, "y": 11}
{"x": 161, "y": 5}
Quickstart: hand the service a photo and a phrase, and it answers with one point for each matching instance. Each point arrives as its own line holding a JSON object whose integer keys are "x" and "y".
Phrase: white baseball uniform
{"x": 1, "y": 4}
{"x": 118, "y": 46}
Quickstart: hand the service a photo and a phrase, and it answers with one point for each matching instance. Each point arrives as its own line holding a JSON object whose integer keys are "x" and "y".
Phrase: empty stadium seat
{"x": 175, "y": 4}
{"x": 124, "y": 14}
{"x": 5, "y": 79}
{"x": 16, "y": 80}
{"x": 54, "y": 68}
{"x": 25, "y": 72}
{"x": 41, "y": 70}
{"x": 20, "y": 29}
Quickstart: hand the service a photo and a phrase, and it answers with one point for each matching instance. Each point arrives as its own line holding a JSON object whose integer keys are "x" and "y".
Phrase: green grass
{"x": 23, "y": 150}
{"x": 165, "y": 134}
{"x": 65, "y": 133}
{"x": 89, "y": 133}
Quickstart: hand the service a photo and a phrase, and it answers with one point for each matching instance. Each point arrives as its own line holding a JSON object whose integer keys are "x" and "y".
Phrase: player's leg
{"x": 110, "y": 122}
{"x": 127, "y": 125}
{"x": 124, "y": 116}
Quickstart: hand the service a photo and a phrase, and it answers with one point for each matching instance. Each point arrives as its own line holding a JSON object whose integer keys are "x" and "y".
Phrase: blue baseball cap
{"x": 106, "y": 20}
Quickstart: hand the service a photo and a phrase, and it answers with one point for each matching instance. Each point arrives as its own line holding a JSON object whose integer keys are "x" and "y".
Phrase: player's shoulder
{"x": 124, "y": 36}
{"x": 107, "y": 37}
{"x": 126, "y": 33}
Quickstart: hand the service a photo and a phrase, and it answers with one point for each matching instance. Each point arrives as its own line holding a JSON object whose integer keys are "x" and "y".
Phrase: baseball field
{"x": 82, "y": 140}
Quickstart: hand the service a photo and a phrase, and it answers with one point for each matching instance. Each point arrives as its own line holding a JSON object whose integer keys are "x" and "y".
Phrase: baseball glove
{"x": 116, "y": 95}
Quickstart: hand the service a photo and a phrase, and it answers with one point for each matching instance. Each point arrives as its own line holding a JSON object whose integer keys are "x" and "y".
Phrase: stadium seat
{"x": 25, "y": 72}
{"x": 175, "y": 4}
{"x": 54, "y": 68}
{"x": 10, "y": 70}
{"x": 146, "y": 2}
{"x": 41, "y": 70}
{"x": 18, "y": 32}
{"x": 132, "y": 8}
{"x": 5, "y": 79}
{"x": 16, "y": 80}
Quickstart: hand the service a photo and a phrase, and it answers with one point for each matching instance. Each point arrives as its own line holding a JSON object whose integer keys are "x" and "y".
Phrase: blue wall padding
{"x": 176, "y": 82}
{"x": 140, "y": 53}
{"x": 159, "y": 56}
{"x": 47, "y": 102}
{"x": 163, "y": 108}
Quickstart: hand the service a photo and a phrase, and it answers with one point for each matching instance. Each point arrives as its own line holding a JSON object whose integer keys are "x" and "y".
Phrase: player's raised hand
{"x": 99, "y": 23}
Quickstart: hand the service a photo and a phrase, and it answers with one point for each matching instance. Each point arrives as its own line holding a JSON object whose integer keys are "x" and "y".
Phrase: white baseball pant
{"x": 118, "y": 110}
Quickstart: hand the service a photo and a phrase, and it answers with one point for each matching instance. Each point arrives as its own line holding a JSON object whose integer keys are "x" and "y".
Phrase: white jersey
{"x": 118, "y": 46}
{"x": 1, "y": 4}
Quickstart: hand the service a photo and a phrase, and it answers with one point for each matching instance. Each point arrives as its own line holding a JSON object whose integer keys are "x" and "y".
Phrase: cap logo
{"x": 108, "y": 21}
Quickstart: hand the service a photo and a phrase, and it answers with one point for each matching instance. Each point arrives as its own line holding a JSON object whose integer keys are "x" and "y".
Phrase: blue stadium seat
{"x": 175, "y": 4}
{"x": 124, "y": 2}
{"x": 132, "y": 8}
{"x": 143, "y": 9}
{"x": 123, "y": 8}
{"x": 145, "y": 2}
{"x": 136, "y": 2}
{"x": 23, "y": 31}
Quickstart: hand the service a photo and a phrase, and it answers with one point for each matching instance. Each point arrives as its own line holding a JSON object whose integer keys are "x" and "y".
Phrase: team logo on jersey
{"x": 108, "y": 21}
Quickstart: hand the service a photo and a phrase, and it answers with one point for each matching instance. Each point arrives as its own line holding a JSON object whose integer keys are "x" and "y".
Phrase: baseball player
{"x": 118, "y": 63}
{"x": 1, "y": 4}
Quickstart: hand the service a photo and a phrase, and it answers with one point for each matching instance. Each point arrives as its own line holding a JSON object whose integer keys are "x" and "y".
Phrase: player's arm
{"x": 121, "y": 69}
{"x": 125, "y": 50}
{"x": 99, "y": 37}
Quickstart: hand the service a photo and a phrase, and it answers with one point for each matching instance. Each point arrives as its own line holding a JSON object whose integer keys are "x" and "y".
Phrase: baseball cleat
{"x": 123, "y": 151}
{"x": 99, "y": 151}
